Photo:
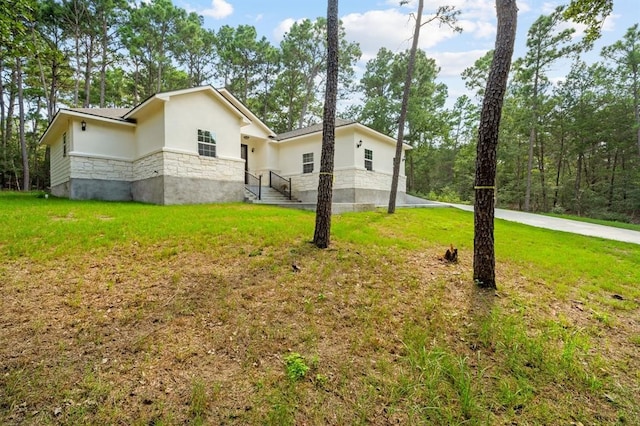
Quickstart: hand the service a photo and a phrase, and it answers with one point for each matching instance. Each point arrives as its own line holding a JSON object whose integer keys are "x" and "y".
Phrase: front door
{"x": 244, "y": 153}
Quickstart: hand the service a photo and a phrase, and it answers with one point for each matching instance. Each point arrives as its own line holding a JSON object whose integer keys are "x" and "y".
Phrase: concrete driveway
{"x": 565, "y": 225}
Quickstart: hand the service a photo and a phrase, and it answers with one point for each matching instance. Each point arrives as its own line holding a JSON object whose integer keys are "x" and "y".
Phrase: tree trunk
{"x": 527, "y": 196}
{"x": 87, "y": 72}
{"x": 612, "y": 179}
{"x": 578, "y": 184}
{"x": 484, "y": 260}
{"x": 321, "y": 237}
{"x": 11, "y": 105}
{"x": 3, "y": 139}
{"x": 411, "y": 179}
{"x": 559, "y": 169}
{"x": 636, "y": 103}
{"x": 103, "y": 65}
{"x": 26, "y": 184}
{"x": 76, "y": 89}
{"x": 542, "y": 176}
{"x": 397, "y": 160}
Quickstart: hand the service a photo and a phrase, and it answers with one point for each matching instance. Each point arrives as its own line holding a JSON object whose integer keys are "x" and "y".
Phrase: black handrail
{"x": 280, "y": 184}
{"x": 253, "y": 184}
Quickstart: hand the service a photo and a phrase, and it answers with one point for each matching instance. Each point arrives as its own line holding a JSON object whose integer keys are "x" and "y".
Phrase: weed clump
{"x": 295, "y": 366}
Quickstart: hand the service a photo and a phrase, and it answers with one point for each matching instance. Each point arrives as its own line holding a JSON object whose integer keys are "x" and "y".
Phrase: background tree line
{"x": 572, "y": 146}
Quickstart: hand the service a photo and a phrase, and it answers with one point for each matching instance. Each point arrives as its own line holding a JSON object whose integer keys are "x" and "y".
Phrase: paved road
{"x": 566, "y": 225}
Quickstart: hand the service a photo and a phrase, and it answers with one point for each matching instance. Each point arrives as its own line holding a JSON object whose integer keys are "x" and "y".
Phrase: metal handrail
{"x": 280, "y": 184}
{"x": 254, "y": 184}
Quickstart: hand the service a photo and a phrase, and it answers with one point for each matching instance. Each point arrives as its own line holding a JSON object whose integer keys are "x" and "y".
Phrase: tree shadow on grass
{"x": 479, "y": 311}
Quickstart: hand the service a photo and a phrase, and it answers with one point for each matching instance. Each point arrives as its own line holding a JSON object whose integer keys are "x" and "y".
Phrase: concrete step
{"x": 267, "y": 196}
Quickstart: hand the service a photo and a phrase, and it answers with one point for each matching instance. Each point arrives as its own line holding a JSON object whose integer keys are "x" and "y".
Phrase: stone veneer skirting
{"x": 160, "y": 178}
{"x": 61, "y": 190}
{"x": 183, "y": 190}
{"x": 350, "y": 186}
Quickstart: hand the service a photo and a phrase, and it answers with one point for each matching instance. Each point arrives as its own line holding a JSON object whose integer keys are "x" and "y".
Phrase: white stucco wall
{"x": 347, "y": 154}
{"x": 104, "y": 139}
{"x": 187, "y": 113}
{"x": 349, "y": 167}
{"x": 149, "y": 133}
{"x": 290, "y": 155}
{"x": 345, "y": 148}
{"x": 263, "y": 158}
{"x": 255, "y": 131}
{"x": 290, "y": 152}
{"x": 383, "y": 153}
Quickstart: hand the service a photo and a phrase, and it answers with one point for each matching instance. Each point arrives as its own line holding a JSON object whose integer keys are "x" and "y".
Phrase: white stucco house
{"x": 202, "y": 145}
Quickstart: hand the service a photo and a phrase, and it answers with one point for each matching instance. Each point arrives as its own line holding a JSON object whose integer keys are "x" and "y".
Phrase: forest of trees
{"x": 573, "y": 146}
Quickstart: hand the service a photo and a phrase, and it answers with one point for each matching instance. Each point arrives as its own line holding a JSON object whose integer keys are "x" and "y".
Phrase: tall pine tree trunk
{"x": 403, "y": 110}
{"x": 559, "y": 169}
{"x": 26, "y": 179}
{"x": 322, "y": 234}
{"x": 612, "y": 179}
{"x": 88, "y": 68}
{"x": 636, "y": 102}
{"x": 103, "y": 64}
{"x": 541, "y": 169}
{"x": 533, "y": 136}
{"x": 578, "y": 184}
{"x": 484, "y": 259}
{"x": 76, "y": 89}
{"x": 3, "y": 139}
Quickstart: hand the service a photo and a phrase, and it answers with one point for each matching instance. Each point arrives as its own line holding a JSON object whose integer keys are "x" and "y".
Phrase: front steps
{"x": 269, "y": 196}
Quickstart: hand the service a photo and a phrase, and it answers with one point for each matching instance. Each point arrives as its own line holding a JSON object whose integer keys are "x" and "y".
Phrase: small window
{"x": 206, "y": 143}
{"x": 368, "y": 159}
{"x": 64, "y": 144}
{"x": 307, "y": 163}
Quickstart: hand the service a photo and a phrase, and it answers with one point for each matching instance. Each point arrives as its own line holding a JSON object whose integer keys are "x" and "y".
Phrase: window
{"x": 307, "y": 163}
{"x": 206, "y": 143}
{"x": 64, "y": 144}
{"x": 368, "y": 159}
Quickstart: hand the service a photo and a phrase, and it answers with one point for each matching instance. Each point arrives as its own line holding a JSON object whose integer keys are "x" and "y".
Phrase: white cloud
{"x": 391, "y": 29}
{"x": 478, "y": 29}
{"x": 548, "y": 8}
{"x": 377, "y": 28}
{"x": 453, "y": 63}
{"x": 284, "y": 27}
{"x": 567, "y": 25}
{"x": 609, "y": 23}
{"x": 523, "y": 6}
{"x": 220, "y": 9}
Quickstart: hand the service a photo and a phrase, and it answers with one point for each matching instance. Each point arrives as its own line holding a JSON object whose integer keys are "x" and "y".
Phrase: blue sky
{"x": 377, "y": 23}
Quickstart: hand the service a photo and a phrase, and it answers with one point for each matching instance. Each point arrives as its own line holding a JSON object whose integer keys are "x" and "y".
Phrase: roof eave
{"x": 77, "y": 114}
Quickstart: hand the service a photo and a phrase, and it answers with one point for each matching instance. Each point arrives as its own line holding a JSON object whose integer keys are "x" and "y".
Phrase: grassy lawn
{"x": 123, "y": 313}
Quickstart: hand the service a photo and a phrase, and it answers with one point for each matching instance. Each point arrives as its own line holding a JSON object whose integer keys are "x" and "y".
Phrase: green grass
{"x": 125, "y": 313}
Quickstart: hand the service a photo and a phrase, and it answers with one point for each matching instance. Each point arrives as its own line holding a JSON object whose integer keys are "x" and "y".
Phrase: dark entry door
{"x": 244, "y": 153}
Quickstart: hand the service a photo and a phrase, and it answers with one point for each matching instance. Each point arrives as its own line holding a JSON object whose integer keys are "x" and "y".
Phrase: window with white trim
{"x": 64, "y": 144}
{"x": 206, "y": 143}
{"x": 307, "y": 163}
{"x": 368, "y": 159}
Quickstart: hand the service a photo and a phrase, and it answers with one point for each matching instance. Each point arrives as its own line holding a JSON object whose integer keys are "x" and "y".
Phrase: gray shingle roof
{"x": 311, "y": 129}
{"x": 114, "y": 113}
